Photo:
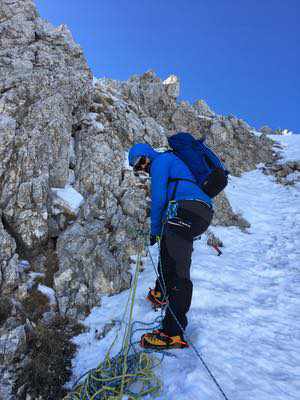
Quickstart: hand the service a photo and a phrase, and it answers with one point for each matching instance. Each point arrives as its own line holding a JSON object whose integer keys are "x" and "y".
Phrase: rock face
{"x": 45, "y": 90}
{"x": 8, "y": 261}
{"x": 266, "y": 130}
{"x": 62, "y": 135}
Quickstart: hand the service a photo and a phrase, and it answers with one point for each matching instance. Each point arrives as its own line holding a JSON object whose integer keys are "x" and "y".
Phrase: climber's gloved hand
{"x": 154, "y": 239}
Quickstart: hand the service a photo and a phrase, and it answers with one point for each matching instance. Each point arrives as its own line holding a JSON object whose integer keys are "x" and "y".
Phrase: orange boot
{"x": 156, "y": 299}
{"x": 159, "y": 340}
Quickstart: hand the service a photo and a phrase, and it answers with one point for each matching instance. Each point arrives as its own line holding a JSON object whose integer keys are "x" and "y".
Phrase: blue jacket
{"x": 164, "y": 166}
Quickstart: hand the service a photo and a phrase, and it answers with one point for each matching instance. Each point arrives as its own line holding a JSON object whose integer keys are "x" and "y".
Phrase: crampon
{"x": 156, "y": 299}
{"x": 158, "y": 340}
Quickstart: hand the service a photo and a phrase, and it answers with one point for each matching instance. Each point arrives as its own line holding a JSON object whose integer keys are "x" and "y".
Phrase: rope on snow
{"x": 129, "y": 373}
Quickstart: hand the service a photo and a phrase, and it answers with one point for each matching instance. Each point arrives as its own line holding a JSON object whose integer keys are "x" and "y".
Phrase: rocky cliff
{"x": 65, "y": 135}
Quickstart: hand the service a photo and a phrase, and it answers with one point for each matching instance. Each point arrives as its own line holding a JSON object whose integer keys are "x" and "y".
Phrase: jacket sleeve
{"x": 159, "y": 189}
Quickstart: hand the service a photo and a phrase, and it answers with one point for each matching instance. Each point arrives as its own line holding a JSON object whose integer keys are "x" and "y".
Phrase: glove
{"x": 154, "y": 239}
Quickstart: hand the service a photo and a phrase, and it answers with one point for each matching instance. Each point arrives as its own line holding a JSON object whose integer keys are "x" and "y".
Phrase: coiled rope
{"x": 129, "y": 374}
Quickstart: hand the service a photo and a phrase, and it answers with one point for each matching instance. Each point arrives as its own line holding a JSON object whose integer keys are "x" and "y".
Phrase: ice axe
{"x": 217, "y": 249}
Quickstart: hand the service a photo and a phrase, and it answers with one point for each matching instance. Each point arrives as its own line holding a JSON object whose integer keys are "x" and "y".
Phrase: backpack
{"x": 203, "y": 163}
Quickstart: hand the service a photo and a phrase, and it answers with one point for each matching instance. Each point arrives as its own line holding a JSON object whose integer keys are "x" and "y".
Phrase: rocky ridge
{"x": 287, "y": 173}
{"x": 62, "y": 130}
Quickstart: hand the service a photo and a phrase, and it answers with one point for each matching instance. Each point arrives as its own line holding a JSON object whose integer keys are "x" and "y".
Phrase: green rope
{"x": 128, "y": 331}
{"x": 129, "y": 373}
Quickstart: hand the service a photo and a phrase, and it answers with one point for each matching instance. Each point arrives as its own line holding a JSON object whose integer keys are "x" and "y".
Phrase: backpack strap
{"x": 176, "y": 180}
{"x": 181, "y": 179}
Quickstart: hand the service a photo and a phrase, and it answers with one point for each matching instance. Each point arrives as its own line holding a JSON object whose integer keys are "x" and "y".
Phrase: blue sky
{"x": 241, "y": 56}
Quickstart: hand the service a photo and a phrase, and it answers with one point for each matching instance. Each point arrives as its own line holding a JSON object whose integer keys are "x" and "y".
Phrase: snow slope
{"x": 245, "y": 313}
{"x": 290, "y": 144}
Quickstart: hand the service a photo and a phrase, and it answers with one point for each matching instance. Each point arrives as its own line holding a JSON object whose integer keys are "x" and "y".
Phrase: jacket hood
{"x": 141, "y": 149}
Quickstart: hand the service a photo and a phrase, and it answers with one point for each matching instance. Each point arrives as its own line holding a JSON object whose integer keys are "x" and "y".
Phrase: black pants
{"x": 193, "y": 218}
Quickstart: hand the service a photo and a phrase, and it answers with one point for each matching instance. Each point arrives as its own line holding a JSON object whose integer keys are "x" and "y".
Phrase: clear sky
{"x": 241, "y": 56}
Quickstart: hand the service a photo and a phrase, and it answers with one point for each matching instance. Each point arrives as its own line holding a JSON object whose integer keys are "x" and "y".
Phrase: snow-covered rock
{"x": 49, "y": 292}
{"x": 66, "y": 200}
{"x": 266, "y": 130}
{"x": 172, "y": 85}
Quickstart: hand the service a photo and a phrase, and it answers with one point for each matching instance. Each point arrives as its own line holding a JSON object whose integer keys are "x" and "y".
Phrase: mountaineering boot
{"x": 158, "y": 340}
{"x": 156, "y": 299}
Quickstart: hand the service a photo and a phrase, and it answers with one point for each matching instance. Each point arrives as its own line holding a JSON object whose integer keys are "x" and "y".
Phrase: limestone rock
{"x": 186, "y": 119}
{"x": 238, "y": 148}
{"x": 286, "y": 173}
{"x": 224, "y": 214}
{"x": 45, "y": 90}
{"x": 172, "y": 85}
{"x": 10, "y": 343}
{"x": 266, "y": 130}
{"x": 87, "y": 268}
{"x": 9, "y": 277}
{"x": 203, "y": 109}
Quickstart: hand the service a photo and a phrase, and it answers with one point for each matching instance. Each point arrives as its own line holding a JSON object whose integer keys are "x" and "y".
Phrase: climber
{"x": 180, "y": 211}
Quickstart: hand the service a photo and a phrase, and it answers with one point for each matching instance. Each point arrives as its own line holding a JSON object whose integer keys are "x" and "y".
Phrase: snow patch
{"x": 291, "y": 146}
{"x": 170, "y": 80}
{"x": 69, "y": 198}
{"x": 49, "y": 292}
{"x": 256, "y": 133}
{"x": 98, "y": 125}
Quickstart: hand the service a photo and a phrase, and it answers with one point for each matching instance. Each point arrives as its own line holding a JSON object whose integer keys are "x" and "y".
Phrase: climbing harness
{"x": 172, "y": 209}
{"x": 171, "y": 217}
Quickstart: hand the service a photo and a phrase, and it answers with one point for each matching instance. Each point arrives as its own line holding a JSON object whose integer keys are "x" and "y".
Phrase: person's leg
{"x": 192, "y": 221}
{"x": 180, "y": 298}
{"x": 179, "y": 246}
{"x": 165, "y": 269}
{"x": 176, "y": 252}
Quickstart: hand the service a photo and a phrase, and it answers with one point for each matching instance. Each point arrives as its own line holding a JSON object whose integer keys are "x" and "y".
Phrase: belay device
{"x": 209, "y": 172}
